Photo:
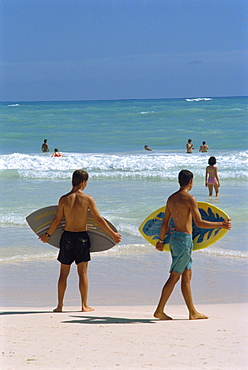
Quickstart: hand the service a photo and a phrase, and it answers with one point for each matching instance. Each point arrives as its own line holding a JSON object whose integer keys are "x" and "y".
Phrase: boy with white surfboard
{"x": 75, "y": 243}
{"x": 182, "y": 207}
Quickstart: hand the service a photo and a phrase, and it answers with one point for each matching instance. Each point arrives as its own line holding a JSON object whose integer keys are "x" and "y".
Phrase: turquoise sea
{"x": 107, "y": 138}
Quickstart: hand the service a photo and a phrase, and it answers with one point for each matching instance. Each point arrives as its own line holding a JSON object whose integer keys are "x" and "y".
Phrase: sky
{"x": 55, "y": 50}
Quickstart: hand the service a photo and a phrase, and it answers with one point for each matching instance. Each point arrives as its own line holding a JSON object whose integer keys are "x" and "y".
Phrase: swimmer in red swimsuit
{"x": 56, "y": 153}
{"x": 211, "y": 178}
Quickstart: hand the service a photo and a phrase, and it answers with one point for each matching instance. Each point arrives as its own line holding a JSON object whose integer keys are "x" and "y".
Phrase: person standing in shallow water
{"x": 189, "y": 146}
{"x": 211, "y": 177}
{"x": 45, "y": 147}
{"x": 182, "y": 207}
{"x": 204, "y": 147}
{"x": 75, "y": 243}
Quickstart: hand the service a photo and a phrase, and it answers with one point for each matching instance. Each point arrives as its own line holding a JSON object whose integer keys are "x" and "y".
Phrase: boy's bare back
{"x": 180, "y": 210}
{"x": 75, "y": 207}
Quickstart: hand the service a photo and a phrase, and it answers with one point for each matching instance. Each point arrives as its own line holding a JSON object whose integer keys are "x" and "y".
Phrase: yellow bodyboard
{"x": 202, "y": 238}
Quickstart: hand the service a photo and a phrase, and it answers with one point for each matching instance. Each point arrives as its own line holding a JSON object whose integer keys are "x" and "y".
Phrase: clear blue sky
{"x": 123, "y": 49}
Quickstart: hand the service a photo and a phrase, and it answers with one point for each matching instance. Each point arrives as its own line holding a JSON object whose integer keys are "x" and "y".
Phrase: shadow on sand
{"x": 107, "y": 320}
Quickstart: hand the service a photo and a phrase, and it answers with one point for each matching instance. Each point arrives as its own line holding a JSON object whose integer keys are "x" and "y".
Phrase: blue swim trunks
{"x": 181, "y": 246}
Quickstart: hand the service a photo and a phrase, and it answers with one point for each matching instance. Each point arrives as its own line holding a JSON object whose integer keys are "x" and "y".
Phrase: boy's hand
{"x": 227, "y": 224}
{"x": 44, "y": 238}
{"x": 160, "y": 246}
{"x": 117, "y": 238}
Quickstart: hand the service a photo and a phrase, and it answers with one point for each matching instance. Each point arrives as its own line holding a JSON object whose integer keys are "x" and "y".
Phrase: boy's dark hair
{"x": 212, "y": 161}
{"x": 79, "y": 176}
{"x": 184, "y": 177}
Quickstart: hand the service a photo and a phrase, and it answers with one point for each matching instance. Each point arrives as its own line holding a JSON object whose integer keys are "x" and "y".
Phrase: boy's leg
{"x": 165, "y": 295}
{"x": 187, "y": 295}
{"x": 62, "y": 282}
{"x": 83, "y": 285}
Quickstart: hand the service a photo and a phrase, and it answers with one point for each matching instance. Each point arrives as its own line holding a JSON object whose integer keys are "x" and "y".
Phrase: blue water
{"x": 107, "y": 138}
{"x": 125, "y": 125}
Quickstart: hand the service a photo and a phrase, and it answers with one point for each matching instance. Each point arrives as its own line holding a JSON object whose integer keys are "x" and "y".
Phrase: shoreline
{"x": 127, "y": 337}
{"x": 124, "y": 281}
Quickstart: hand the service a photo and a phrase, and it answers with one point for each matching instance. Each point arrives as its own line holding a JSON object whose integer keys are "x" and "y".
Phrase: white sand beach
{"x": 124, "y": 337}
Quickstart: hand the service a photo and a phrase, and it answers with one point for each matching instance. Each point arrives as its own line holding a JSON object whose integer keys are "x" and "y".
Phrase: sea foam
{"x": 231, "y": 165}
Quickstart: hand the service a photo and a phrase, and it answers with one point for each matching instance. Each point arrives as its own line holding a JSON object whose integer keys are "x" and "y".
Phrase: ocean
{"x": 107, "y": 138}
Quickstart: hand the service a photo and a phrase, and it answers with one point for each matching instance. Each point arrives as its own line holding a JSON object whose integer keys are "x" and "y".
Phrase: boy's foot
{"x": 58, "y": 309}
{"x": 197, "y": 316}
{"x": 87, "y": 309}
{"x": 162, "y": 316}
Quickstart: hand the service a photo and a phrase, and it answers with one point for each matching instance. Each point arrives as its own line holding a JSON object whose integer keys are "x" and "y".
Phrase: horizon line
{"x": 121, "y": 99}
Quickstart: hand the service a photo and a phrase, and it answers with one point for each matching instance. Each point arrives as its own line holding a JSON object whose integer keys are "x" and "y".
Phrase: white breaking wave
{"x": 224, "y": 252}
{"x": 231, "y": 165}
{"x": 199, "y": 99}
{"x": 29, "y": 257}
{"x": 121, "y": 250}
{"x": 12, "y": 218}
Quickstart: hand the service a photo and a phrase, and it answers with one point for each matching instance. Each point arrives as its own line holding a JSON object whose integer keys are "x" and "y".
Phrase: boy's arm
{"x": 163, "y": 229}
{"x": 101, "y": 221}
{"x": 55, "y": 224}
{"x": 206, "y": 224}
